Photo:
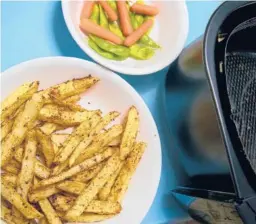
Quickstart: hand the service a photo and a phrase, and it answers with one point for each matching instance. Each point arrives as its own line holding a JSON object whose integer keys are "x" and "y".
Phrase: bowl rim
{"x": 155, "y": 67}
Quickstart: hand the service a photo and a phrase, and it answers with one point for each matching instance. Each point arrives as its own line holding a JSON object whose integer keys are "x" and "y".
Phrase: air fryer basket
{"x": 231, "y": 66}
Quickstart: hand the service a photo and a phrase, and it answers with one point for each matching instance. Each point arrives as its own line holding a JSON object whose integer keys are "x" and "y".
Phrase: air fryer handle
{"x": 247, "y": 210}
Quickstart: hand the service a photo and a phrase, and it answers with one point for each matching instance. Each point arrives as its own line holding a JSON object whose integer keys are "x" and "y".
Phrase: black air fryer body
{"x": 218, "y": 129}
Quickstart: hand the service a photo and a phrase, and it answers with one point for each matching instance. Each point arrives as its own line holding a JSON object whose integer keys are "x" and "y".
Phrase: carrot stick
{"x": 87, "y": 9}
{"x": 147, "y": 10}
{"x": 124, "y": 18}
{"x": 112, "y": 16}
{"x": 90, "y": 27}
{"x": 137, "y": 34}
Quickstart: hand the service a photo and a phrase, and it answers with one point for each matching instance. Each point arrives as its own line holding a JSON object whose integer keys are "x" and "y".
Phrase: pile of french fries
{"x": 51, "y": 176}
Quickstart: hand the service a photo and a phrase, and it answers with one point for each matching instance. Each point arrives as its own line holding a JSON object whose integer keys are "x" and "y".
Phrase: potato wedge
{"x": 27, "y": 171}
{"x": 9, "y": 178}
{"x": 100, "y": 142}
{"x": 12, "y": 167}
{"x": 72, "y": 99}
{"x": 116, "y": 141}
{"x": 59, "y": 139}
{"x": 87, "y": 175}
{"x": 87, "y": 164}
{"x": 49, "y": 128}
{"x": 18, "y": 155}
{"x": 88, "y": 194}
{"x": 60, "y": 168}
{"x": 6, "y": 215}
{"x": 7, "y": 124}
{"x": 46, "y": 147}
{"x": 6, "y": 128}
{"x": 18, "y": 217}
{"x": 38, "y": 195}
{"x": 49, "y": 212}
{"x": 63, "y": 203}
{"x": 75, "y": 138}
{"x": 88, "y": 218}
{"x": 43, "y": 221}
{"x": 20, "y": 127}
{"x": 73, "y": 187}
{"x": 121, "y": 184}
{"x": 15, "y": 199}
{"x": 62, "y": 116}
{"x": 70, "y": 106}
{"x": 41, "y": 170}
{"x": 94, "y": 130}
{"x": 105, "y": 191}
{"x": 72, "y": 87}
{"x": 17, "y": 98}
{"x": 130, "y": 132}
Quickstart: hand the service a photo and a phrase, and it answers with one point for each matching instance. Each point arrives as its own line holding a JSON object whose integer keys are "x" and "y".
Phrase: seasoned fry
{"x": 59, "y": 139}
{"x": 70, "y": 106}
{"x": 72, "y": 99}
{"x": 116, "y": 141}
{"x": 22, "y": 124}
{"x": 18, "y": 155}
{"x": 63, "y": 116}
{"x": 15, "y": 199}
{"x": 101, "y": 141}
{"x": 49, "y": 128}
{"x": 17, "y": 98}
{"x": 6, "y": 128}
{"x": 76, "y": 169}
{"x": 126, "y": 173}
{"x": 43, "y": 221}
{"x": 18, "y": 217}
{"x": 9, "y": 178}
{"x": 26, "y": 174}
{"x": 95, "y": 129}
{"x": 61, "y": 167}
{"x": 46, "y": 146}
{"x": 88, "y": 218}
{"x": 74, "y": 139}
{"x": 41, "y": 194}
{"x": 105, "y": 191}
{"x": 63, "y": 203}
{"x": 87, "y": 195}
{"x": 41, "y": 170}
{"x": 87, "y": 175}
{"x": 49, "y": 212}
{"x": 72, "y": 87}
{"x": 74, "y": 187}
{"x": 12, "y": 167}
{"x": 7, "y": 216}
{"x": 130, "y": 132}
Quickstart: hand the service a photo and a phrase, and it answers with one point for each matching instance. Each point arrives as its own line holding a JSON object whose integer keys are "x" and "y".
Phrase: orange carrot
{"x": 125, "y": 21}
{"x": 90, "y": 27}
{"x": 147, "y": 10}
{"x": 112, "y": 16}
{"x": 137, "y": 34}
{"x": 87, "y": 9}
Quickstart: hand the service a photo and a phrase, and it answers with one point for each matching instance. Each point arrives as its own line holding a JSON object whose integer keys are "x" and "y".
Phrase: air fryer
{"x": 229, "y": 58}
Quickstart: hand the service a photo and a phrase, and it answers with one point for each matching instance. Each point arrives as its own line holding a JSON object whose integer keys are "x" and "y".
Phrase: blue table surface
{"x": 37, "y": 29}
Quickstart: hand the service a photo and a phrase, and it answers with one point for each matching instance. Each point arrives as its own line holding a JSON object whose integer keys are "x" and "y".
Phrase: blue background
{"x": 37, "y": 29}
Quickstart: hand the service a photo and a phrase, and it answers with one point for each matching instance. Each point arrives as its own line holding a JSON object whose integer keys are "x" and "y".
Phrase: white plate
{"x": 111, "y": 93}
{"x": 170, "y": 31}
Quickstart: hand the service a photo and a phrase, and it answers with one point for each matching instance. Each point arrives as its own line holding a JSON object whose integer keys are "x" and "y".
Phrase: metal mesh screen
{"x": 240, "y": 69}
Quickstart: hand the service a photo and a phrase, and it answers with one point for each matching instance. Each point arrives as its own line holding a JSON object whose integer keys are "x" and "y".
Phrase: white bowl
{"x": 111, "y": 93}
{"x": 170, "y": 31}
